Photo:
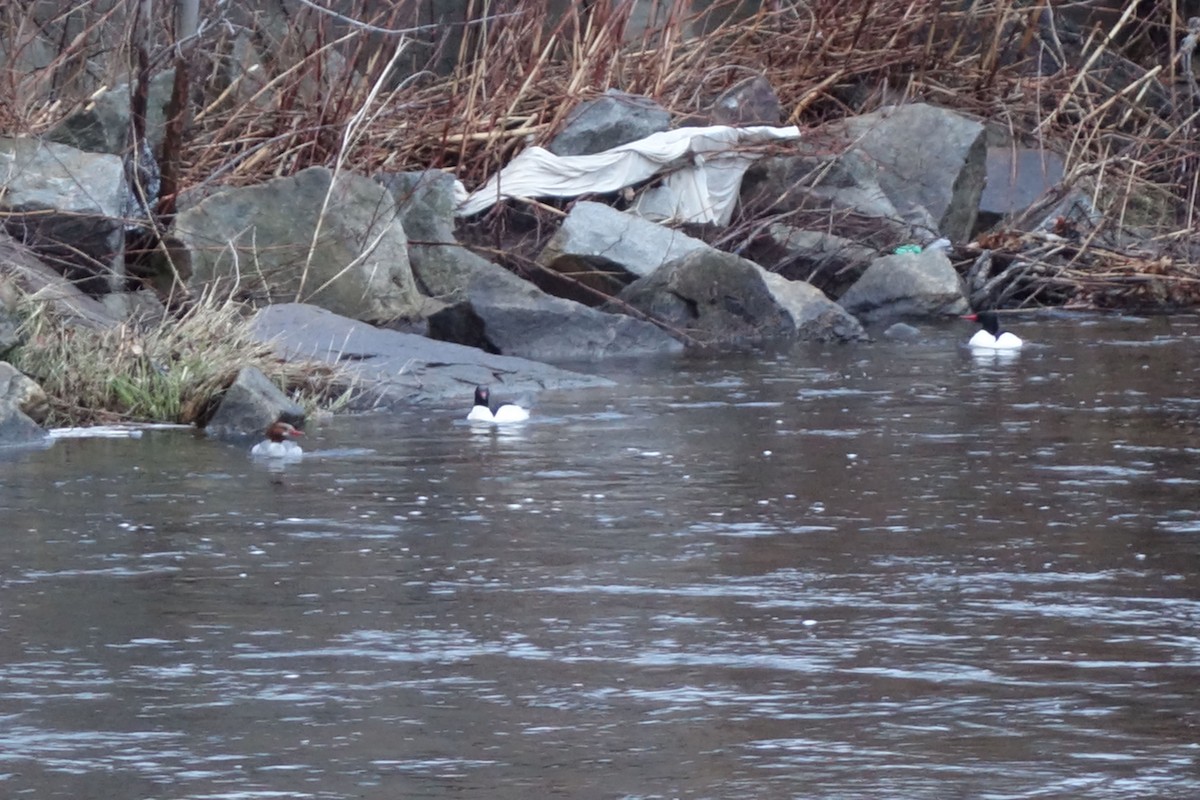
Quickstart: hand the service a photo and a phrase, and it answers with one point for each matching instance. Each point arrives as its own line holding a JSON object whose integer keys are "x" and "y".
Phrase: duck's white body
{"x": 277, "y": 444}
{"x": 986, "y": 341}
{"x": 482, "y": 411}
{"x": 289, "y": 451}
{"x": 991, "y": 337}
{"x": 503, "y": 414}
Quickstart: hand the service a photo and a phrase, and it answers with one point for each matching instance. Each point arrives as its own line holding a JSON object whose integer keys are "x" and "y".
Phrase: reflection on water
{"x": 887, "y": 571}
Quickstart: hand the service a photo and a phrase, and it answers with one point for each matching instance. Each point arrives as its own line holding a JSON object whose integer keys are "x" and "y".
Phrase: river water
{"x": 881, "y": 571}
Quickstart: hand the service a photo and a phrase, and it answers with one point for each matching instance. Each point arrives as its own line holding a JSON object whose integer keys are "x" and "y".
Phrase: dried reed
{"x": 325, "y": 91}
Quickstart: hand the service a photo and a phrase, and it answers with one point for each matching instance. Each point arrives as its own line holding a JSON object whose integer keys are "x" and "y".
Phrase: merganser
{"x": 485, "y": 411}
{"x": 277, "y": 444}
{"x": 991, "y": 337}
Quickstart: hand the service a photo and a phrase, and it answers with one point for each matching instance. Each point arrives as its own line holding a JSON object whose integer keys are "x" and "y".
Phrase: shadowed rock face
{"x": 67, "y": 205}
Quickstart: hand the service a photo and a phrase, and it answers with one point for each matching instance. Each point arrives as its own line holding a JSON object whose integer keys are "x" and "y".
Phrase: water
{"x": 887, "y": 571}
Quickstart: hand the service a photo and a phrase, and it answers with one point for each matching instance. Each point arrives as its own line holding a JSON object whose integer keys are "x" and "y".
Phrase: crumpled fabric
{"x": 703, "y": 166}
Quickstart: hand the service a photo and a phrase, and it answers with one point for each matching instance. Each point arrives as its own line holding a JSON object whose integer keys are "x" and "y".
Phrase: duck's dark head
{"x": 483, "y": 396}
{"x": 280, "y": 430}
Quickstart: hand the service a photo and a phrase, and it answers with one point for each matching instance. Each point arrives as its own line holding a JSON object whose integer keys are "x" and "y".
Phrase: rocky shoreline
{"x": 631, "y": 233}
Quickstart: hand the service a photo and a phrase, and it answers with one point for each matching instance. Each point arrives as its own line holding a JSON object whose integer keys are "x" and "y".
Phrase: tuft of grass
{"x": 173, "y": 371}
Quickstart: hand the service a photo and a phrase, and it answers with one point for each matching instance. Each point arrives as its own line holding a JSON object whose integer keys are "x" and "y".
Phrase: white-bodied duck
{"x": 487, "y": 410}
{"x": 991, "y": 337}
{"x": 278, "y": 443}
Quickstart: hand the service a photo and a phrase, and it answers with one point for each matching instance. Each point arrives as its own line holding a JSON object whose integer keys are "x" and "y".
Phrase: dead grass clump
{"x": 173, "y": 371}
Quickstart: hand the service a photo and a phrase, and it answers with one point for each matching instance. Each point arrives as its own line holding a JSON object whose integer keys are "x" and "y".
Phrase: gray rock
{"x": 829, "y": 194}
{"x": 103, "y": 126}
{"x": 67, "y": 205}
{"x": 22, "y": 274}
{"x": 20, "y": 391}
{"x": 392, "y": 368}
{"x": 258, "y": 238}
{"x": 748, "y": 102}
{"x": 606, "y": 249}
{"x": 1016, "y": 178}
{"x": 717, "y": 298}
{"x": 18, "y": 429}
{"x": 914, "y": 170}
{"x": 441, "y": 266}
{"x": 918, "y": 285}
{"x": 489, "y": 307}
{"x": 829, "y": 262}
{"x": 17, "y": 394}
{"x": 502, "y": 314}
{"x": 615, "y": 118}
{"x": 926, "y": 159}
{"x": 902, "y": 332}
{"x": 250, "y": 405}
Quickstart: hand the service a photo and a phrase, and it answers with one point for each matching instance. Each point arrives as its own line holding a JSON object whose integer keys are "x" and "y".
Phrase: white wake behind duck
{"x": 486, "y": 410}
{"x": 278, "y": 444}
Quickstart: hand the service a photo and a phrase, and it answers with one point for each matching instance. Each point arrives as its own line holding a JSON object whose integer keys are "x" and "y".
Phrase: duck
{"x": 991, "y": 337}
{"x": 277, "y": 444}
{"x": 485, "y": 410}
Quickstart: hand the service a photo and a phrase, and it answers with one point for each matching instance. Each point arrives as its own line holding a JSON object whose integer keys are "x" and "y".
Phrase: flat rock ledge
{"x": 391, "y": 369}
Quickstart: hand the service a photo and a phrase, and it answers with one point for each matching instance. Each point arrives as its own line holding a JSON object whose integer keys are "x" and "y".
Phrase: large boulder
{"x": 260, "y": 239}
{"x": 717, "y": 297}
{"x": 914, "y": 170}
{"x": 391, "y": 368}
{"x": 249, "y": 405}
{"x": 67, "y": 205}
{"x": 489, "y": 307}
{"x": 1017, "y": 177}
{"x": 926, "y": 159}
{"x": 828, "y": 193}
{"x": 607, "y": 249}
{"x": 914, "y": 285}
{"x": 614, "y": 118}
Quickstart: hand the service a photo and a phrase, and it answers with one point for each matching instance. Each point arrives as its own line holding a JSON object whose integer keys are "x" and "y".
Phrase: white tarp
{"x": 704, "y": 166}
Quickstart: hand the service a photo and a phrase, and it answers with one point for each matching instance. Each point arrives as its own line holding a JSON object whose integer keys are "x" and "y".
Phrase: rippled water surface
{"x": 885, "y": 571}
